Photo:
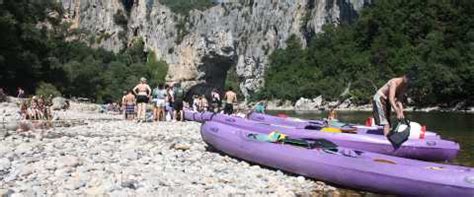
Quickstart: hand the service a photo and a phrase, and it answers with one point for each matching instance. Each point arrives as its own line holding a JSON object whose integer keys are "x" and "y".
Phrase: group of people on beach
{"x": 34, "y": 108}
{"x": 226, "y": 105}
{"x": 168, "y": 101}
{"x": 34, "y": 112}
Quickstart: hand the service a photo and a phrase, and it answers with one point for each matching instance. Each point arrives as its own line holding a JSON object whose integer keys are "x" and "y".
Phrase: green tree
{"x": 158, "y": 69}
{"x": 386, "y": 40}
{"x": 47, "y": 89}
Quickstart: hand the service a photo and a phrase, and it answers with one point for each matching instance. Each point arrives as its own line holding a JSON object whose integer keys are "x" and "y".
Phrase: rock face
{"x": 204, "y": 45}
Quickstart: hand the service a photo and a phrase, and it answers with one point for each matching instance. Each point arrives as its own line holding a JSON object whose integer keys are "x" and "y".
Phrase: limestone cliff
{"x": 204, "y": 45}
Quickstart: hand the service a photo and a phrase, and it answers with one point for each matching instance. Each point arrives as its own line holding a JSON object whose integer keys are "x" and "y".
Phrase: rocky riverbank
{"x": 318, "y": 104}
{"x": 108, "y": 155}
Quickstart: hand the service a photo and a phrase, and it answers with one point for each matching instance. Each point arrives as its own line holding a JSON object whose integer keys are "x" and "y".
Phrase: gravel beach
{"x": 109, "y": 156}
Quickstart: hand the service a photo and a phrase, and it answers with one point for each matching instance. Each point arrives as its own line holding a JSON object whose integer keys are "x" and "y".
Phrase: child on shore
{"x": 260, "y": 107}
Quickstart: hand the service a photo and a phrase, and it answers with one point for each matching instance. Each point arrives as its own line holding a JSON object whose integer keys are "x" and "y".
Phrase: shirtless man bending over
{"x": 230, "y": 98}
{"x": 128, "y": 102}
{"x": 390, "y": 96}
{"x": 143, "y": 92}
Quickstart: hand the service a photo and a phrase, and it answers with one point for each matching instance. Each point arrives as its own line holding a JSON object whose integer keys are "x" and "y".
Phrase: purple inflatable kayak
{"x": 315, "y": 124}
{"x": 355, "y": 169}
{"x": 427, "y": 149}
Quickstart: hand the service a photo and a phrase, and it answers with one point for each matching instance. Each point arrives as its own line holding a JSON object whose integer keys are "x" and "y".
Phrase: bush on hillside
{"x": 184, "y": 6}
{"x": 388, "y": 38}
{"x": 47, "y": 89}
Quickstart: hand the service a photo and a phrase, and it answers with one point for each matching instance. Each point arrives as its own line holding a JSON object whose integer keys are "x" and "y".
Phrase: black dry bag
{"x": 399, "y": 133}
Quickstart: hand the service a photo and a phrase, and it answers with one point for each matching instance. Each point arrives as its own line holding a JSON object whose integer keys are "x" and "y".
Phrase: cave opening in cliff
{"x": 215, "y": 68}
{"x": 128, "y": 4}
{"x": 347, "y": 12}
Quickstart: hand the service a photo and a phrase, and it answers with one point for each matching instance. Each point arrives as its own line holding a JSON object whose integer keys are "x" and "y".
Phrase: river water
{"x": 453, "y": 126}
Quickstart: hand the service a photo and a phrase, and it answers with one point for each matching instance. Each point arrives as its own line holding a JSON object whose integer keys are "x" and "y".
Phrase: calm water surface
{"x": 453, "y": 126}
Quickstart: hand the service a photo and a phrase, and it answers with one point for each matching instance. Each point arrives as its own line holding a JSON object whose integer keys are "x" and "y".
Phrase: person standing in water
{"x": 143, "y": 91}
{"x": 230, "y": 99}
{"x": 390, "y": 96}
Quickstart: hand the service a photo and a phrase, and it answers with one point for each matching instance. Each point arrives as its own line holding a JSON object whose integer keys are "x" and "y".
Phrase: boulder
{"x": 6, "y": 192}
{"x": 3, "y": 133}
{"x": 309, "y": 104}
{"x": 318, "y": 101}
{"x": 59, "y": 103}
{"x": 345, "y": 104}
{"x": 278, "y": 104}
{"x": 4, "y": 164}
{"x": 3, "y": 98}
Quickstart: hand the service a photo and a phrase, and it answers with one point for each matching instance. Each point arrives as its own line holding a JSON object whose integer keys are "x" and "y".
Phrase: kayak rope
{"x": 434, "y": 168}
{"x": 385, "y": 161}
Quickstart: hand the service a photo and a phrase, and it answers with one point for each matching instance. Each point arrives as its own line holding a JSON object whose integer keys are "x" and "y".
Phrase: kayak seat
{"x": 375, "y": 131}
{"x": 297, "y": 142}
{"x": 313, "y": 127}
{"x": 331, "y": 130}
{"x": 259, "y": 137}
{"x": 274, "y": 138}
{"x": 324, "y": 144}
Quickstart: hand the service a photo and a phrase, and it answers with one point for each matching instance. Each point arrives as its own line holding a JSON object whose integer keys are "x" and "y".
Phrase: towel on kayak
{"x": 274, "y": 136}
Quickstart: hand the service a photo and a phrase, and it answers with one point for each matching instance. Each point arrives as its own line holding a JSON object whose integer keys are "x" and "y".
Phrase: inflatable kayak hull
{"x": 311, "y": 124}
{"x": 355, "y": 169}
{"x": 427, "y": 149}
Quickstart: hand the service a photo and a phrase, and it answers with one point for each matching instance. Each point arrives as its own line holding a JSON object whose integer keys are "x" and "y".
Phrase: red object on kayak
{"x": 368, "y": 122}
{"x": 282, "y": 115}
{"x": 423, "y": 131}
